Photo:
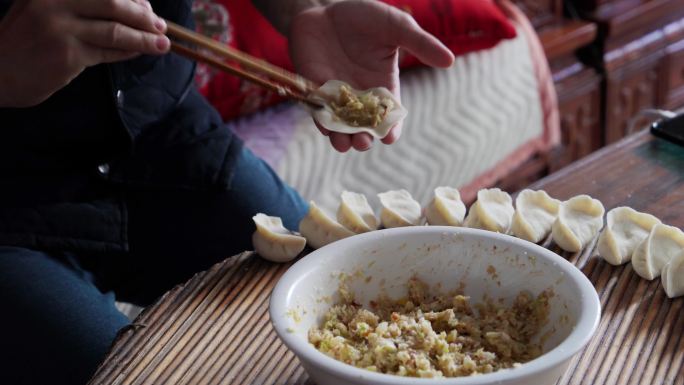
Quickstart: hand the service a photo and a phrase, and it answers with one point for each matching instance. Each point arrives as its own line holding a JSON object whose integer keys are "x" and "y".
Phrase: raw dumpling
{"x": 319, "y": 229}
{"x": 492, "y": 211}
{"x": 535, "y": 212}
{"x": 656, "y": 250}
{"x": 579, "y": 220}
{"x": 673, "y": 276}
{"x": 625, "y": 229}
{"x": 399, "y": 209}
{"x": 351, "y": 111}
{"x": 446, "y": 208}
{"x": 273, "y": 241}
{"x": 355, "y": 213}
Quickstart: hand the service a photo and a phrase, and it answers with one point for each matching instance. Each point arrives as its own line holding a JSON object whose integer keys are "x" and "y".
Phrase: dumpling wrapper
{"x": 579, "y": 220}
{"x": 319, "y": 229}
{"x": 535, "y": 212}
{"x": 399, "y": 209}
{"x": 273, "y": 241}
{"x": 492, "y": 211}
{"x": 355, "y": 213}
{"x": 327, "y": 118}
{"x": 655, "y": 251}
{"x": 673, "y": 276}
{"x": 625, "y": 229}
{"x": 446, "y": 208}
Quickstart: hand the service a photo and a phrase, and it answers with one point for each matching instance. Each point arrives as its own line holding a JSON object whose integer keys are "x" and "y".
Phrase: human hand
{"x": 357, "y": 41}
{"x": 44, "y": 44}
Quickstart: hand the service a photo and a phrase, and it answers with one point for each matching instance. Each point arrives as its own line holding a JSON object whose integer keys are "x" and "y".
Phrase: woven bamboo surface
{"x": 215, "y": 328}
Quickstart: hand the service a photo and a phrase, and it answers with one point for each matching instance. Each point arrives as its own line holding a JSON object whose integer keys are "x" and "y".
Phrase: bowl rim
{"x": 584, "y": 329}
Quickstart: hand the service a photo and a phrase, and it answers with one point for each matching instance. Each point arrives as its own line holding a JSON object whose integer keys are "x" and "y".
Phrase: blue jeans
{"x": 58, "y": 317}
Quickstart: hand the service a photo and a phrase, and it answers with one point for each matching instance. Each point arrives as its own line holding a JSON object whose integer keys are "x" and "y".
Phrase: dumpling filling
{"x": 365, "y": 110}
{"x": 428, "y": 335}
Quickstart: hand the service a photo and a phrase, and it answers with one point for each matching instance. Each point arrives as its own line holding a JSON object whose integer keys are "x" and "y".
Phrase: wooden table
{"x": 215, "y": 328}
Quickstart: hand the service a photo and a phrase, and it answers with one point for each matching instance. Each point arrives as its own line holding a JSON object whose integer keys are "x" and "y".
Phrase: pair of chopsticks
{"x": 276, "y": 79}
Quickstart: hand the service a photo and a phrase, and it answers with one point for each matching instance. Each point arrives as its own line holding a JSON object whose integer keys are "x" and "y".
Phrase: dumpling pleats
{"x": 319, "y": 229}
{"x": 492, "y": 211}
{"x": 399, "y": 209}
{"x": 625, "y": 229}
{"x": 657, "y": 249}
{"x": 535, "y": 212}
{"x": 579, "y": 220}
{"x": 273, "y": 241}
{"x": 446, "y": 208}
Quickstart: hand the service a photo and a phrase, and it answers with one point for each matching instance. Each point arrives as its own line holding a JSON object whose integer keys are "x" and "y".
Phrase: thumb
{"x": 410, "y": 36}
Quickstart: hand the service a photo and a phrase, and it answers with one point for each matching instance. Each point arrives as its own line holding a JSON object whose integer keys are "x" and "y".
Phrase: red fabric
{"x": 253, "y": 34}
{"x": 462, "y": 25}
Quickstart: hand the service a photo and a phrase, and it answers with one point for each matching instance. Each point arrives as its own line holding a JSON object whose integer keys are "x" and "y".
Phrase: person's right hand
{"x": 44, "y": 44}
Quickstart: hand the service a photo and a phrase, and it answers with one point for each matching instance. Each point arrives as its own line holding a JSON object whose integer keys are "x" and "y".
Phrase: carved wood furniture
{"x": 577, "y": 84}
{"x": 610, "y": 59}
{"x": 641, "y": 51}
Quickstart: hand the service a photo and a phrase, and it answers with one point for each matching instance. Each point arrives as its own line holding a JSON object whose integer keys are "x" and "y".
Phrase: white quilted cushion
{"x": 462, "y": 122}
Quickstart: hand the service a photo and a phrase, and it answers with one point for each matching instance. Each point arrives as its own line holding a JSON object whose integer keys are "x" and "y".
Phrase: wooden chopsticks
{"x": 271, "y": 77}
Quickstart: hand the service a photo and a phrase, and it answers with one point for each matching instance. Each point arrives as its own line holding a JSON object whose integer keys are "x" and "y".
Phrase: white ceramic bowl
{"x": 450, "y": 256}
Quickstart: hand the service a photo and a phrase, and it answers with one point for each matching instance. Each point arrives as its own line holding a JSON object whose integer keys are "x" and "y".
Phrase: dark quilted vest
{"x": 65, "y": 165}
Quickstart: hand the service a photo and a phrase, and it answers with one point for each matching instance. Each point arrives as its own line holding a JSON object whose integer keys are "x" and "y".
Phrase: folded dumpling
{"x": 319, "y": 229}
{"x": 535, "y": 212}
{"x": 355, "y": 213}
{"x": 273, "y": 241}
{"x": 579, "y": 220}
{"x": 399, "y": 209}
{"x": 446, "y": 208}
{"x": 492, "y": 211}
{"x": 673, "y": 276}
{"x": 656, "y": 250}
{"x": 625, "y": 229}
{"x": 349, "y": 111}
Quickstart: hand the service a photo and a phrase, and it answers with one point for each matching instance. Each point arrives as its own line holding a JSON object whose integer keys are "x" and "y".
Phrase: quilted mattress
{"x": 464, "y": 124}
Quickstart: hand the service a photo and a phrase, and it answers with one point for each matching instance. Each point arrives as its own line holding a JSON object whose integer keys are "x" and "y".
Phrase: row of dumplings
{"x": 653, "y": 248}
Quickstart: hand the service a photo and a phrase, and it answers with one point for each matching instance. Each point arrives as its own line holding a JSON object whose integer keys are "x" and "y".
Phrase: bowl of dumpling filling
{"x": 434, "y": 305}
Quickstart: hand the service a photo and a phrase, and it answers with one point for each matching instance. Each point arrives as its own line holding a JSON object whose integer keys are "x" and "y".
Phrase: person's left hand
{"x": 357, "y": 41}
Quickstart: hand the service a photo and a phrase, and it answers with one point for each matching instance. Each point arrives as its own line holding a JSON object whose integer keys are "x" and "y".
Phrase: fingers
{"x": 340, "y": 142}
{"x": 136, "y": 14}
{"x": 343, "y": 142}
{"x": 393, "y": 135}
{"x": 110, "y": 35}
{"x": 420, "y": 43}
{"x": 322, "y": 129}
{"x": 362, "y": 141}
{"x": 102, "y": 55}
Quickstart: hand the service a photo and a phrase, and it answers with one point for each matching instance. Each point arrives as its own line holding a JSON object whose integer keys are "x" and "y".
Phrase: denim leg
{"x": 258, "y": 189}
{"x": 56, "y": 326}
{"x": 175, "y": 233}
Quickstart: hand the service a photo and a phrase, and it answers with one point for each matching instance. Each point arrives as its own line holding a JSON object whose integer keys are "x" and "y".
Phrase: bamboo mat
{"x": 215, "y": 328}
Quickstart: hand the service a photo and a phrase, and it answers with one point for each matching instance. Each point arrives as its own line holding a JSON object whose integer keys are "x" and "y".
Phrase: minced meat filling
{"x": 366, "y": 110}
{"x": 432, "y": 336}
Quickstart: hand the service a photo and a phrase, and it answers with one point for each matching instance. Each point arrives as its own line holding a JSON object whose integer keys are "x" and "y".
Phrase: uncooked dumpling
{"x": 355, "y": 213}
{"x": 273, "y": 241}
{"x": 656, "y": 250}
{"x": 319, "y": 229}
{"x": 625, "y": 229}
{"x": 446, "y": 208}
{"x": 673, "y": 276}
{"x": 492, "y": 211}
{"x": 399, "y": 209}
{"x": 349, "y": 111}
{"x": 579, "y": 220}
{"x": 535, "y": 212}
